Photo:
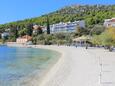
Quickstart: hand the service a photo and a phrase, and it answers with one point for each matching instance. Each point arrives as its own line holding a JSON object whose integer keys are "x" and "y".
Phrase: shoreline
{"x": 40, "y": 79}
{"x": 56, "y": 67}
{"x": 51, "y": 69}
{"x": 77, "y": 67}
{"x": 57, "y": 73}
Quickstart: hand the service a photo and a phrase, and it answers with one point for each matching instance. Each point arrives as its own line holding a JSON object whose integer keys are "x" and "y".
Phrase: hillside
{"x": 94, "y": 14}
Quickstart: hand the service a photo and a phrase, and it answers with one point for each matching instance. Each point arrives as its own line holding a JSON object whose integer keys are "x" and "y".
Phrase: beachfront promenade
{"x": 81, "y": 67}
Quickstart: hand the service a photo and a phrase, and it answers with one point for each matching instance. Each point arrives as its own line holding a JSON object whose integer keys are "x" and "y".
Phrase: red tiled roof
{"x": 37, "y": 28}
{"x": 112, "y": 20}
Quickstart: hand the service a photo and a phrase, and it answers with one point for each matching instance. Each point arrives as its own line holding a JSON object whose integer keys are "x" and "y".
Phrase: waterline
{"x": 16, "y": 64}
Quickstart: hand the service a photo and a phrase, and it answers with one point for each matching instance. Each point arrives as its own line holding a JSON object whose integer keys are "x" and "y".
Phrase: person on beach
{"x": 76, "y": 45}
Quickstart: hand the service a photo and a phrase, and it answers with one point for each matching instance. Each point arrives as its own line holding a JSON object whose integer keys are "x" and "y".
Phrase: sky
{"x": 13, "y": 10}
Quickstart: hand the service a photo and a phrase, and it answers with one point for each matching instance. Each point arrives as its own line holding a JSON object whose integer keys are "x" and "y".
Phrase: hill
{"x": 92, "y": 14}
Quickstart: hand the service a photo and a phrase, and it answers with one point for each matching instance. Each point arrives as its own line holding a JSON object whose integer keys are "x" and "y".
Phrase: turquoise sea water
{"x": 18, "y": 63}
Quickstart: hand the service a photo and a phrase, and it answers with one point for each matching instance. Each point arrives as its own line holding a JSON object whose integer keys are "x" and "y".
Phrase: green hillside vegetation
{"x": 94, "y": 16}
{"x": 106, "y": 38}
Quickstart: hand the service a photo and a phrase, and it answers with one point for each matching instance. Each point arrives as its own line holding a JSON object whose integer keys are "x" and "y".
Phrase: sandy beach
{"x": 81, "y": 67}
{"x": 78, "y": 67}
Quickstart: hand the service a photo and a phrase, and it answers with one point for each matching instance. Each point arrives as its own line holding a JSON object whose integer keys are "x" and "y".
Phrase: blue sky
{"x": 13, "y": 10}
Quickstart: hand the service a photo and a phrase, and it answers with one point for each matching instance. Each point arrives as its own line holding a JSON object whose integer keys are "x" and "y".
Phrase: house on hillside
{"x": 37, "y": 29}
{"x": 109, "y": 22}
{"x": 24, "y": 39}
{"x": 4, "y": 35}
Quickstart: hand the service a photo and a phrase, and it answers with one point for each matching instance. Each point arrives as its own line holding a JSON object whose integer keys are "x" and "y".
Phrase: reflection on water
{"x": 17, "y": 63}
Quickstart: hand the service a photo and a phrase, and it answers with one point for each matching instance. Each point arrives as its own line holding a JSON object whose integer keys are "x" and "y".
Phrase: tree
{"x": 29, "y": 29}
{"x": 59, "y": 36}
{"x": 96, "y": 40}
{"x": 40, "y": 30}
{"x": 48, "y": 26}
{"x": 16, "y": 32}
{"x": 23, "y": 32}
{"x": 13, "y": 31}
{"x": 108, "y": 37}
{"x": 78, "y": 31}
{"x": 98, "y": 29}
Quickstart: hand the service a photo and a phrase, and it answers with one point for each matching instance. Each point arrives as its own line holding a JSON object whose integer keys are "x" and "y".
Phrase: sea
{"x": 17, "y": 64}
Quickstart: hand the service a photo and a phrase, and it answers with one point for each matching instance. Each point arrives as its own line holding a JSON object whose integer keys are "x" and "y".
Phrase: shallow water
{"x": 18, "y": 63}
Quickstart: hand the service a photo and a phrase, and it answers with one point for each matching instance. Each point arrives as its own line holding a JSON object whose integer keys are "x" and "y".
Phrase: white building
{"x": 66, "y": 27}
{"x": 5, "y": 34}
{"x": 109, "y": 22}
